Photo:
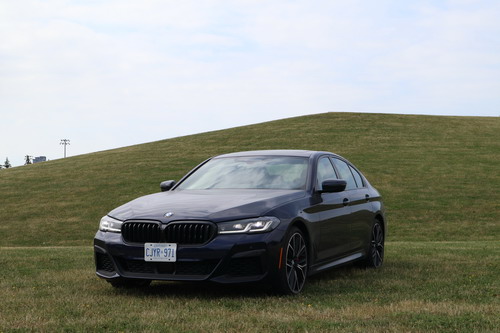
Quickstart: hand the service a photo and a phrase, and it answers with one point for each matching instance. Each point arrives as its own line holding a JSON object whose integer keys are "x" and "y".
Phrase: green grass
{"x": 423, "y": 287}
{"x": 439, "y": 177}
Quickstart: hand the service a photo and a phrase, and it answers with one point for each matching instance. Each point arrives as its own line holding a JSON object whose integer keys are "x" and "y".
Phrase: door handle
{"x": 345, "y": 202}
{"x": 367, "y": 197}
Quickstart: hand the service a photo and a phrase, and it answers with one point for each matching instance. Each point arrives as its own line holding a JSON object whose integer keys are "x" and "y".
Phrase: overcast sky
{"x": 107, "y": 74}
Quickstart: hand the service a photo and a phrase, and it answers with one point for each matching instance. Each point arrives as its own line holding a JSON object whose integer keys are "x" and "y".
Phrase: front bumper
{"x": 225, "y": 259}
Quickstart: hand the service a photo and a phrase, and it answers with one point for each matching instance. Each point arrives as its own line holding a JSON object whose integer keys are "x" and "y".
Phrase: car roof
{"x": 280, "y": 152}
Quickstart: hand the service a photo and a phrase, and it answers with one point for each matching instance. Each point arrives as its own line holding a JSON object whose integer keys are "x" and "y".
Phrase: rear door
{"x": 359, "y": 203}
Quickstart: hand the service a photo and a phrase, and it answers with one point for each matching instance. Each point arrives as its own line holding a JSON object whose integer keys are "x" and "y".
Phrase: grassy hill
{"x": 439, "y": 175}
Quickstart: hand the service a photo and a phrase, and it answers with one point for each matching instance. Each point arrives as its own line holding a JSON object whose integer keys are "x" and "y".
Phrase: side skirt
{"x": 324, "y": 266}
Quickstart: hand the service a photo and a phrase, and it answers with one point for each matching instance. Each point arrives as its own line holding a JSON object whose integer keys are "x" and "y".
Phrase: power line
{"x": 64, "y": 142}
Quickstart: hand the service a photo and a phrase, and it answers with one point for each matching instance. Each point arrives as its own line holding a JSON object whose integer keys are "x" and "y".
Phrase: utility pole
{"x": 64, "y": 142}
{"x": 28, "y": 159}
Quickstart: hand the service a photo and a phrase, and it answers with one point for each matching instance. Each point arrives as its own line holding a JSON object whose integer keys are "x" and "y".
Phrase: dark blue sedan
{"x": 275, "y": 216}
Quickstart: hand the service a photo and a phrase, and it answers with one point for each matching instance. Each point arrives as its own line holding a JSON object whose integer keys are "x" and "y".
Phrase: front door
{"x": 335, "y": 216}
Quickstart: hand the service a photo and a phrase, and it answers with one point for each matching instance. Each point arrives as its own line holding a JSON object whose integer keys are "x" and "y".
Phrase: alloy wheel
{"x": 296, "y": 262}
{"x": 377, "y": 245}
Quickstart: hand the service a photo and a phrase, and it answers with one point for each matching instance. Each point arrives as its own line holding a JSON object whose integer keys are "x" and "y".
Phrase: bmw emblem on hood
{"x": 168, "y": 214}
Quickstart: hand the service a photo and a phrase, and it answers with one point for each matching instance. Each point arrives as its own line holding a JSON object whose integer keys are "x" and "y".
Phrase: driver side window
{"x": 325, "y": 171}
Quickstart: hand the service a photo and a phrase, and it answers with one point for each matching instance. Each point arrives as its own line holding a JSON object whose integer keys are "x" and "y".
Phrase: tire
{"x": 292, "y": 274}
{"x": 129, "y": 283}
{"x": 375, "y": 257}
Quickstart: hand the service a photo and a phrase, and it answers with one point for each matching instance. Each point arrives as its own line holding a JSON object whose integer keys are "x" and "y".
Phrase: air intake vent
{"x": 103, "y": 263}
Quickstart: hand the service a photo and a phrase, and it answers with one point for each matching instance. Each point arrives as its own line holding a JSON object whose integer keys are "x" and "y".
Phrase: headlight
{"x": 110, "y": 224}
{"x": 260, "y": 224}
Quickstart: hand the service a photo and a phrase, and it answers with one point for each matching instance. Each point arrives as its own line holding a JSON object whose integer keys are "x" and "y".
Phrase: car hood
{"x": 213, "y": 205}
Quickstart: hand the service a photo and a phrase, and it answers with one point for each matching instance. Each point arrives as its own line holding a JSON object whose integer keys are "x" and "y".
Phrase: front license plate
{"x": 160, "y": 252}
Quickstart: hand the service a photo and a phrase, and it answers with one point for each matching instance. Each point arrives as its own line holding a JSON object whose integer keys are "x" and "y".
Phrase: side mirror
{"x": 333, "y": 185}
{"x": 167, "y": 185}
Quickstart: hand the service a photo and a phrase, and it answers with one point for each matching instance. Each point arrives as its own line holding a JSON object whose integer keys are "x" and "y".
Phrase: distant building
{"x": 40, "y": 159}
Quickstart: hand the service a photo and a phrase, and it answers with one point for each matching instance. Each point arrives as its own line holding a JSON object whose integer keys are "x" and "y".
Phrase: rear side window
{"x": 345, "y": 173}
{"x": 357, "y": 177}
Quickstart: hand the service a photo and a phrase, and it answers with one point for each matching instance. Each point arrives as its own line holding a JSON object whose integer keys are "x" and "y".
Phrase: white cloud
{"x": 95, "y": 72}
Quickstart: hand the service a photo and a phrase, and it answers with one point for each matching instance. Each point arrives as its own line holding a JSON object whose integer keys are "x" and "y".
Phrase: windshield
{"x": 255, "y": 172}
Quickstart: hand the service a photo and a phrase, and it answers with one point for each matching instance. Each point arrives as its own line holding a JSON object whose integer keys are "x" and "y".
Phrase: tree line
{"x": 27, "y": 160}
